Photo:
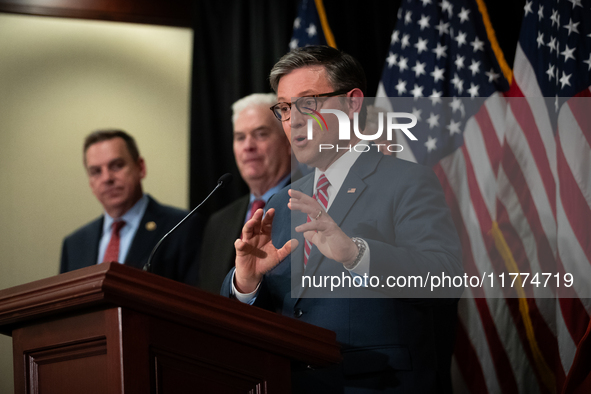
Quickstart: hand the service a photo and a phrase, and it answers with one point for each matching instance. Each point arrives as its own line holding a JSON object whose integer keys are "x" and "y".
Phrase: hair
{"x": 267, "y": 99}
{"x": 109, "y": 134}
{"x": 343, "y": 71}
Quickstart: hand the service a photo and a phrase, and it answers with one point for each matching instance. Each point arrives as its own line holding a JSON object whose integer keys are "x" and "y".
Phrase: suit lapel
{"x": 140, "y": 246}
{"x": 297, "y": 256}
{"x": 296, "y": 219}
{"x": 95, "y": 234}
{"x": 353, "y": 186}
{"x": 229, "y": 232}
{"x": 343, "y": 203}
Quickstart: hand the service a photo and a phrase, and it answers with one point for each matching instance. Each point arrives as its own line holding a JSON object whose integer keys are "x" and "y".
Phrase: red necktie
{"x": 256, "y": 204}
{"x": 322, "y": 198}
{"x": 112, "y": 253}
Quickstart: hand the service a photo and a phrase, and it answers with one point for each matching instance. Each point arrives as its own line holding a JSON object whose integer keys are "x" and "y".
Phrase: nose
{"x": 107, "y": 175}
{"x": 250, "y": 143}
{"x": 297, "y": 120}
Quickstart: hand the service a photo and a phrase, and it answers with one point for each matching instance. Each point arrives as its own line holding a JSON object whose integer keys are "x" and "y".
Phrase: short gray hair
{"x": 267, "y": 99}
{"x": 343, "y": 71}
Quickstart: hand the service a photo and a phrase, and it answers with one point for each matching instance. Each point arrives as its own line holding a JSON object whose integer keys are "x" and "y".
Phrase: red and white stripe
{"x": 514, "y": 169}
{"x": 490, "y": 355}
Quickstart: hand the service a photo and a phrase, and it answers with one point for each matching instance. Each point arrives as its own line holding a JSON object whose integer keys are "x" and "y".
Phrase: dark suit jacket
{"x": 218, "y": 255}
{"x": 389, "y": 344}
{"x": 217, "y": 251}
{"x": 176, "y": 259}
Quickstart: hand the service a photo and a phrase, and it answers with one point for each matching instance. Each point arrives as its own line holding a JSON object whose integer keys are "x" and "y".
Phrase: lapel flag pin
{"x": 351, "y": 190}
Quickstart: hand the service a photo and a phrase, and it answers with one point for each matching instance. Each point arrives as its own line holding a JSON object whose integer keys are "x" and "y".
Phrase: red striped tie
{"x": 112, "y": 253}
{"x": 322, "y": 198}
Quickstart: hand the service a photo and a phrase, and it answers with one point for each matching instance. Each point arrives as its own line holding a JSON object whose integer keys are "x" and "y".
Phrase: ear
{"x": 142, "y": 165}
{"x": 355, "y": 101}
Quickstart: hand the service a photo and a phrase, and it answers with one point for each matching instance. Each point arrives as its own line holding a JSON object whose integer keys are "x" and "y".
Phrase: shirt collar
{"x": 132, "y": 217}
{"x": 265, "y": 197}
{"x": 337, "y": 172}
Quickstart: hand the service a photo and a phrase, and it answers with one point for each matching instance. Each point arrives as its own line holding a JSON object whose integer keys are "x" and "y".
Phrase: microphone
{"x": 223, "y": 181}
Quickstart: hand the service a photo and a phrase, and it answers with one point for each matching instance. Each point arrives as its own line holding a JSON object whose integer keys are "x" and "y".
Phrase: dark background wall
{"x": 236, "y": 42}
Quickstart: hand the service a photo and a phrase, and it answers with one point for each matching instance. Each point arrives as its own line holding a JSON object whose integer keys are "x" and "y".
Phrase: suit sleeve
{"x": 422, "y": 239}
{"x": 262, "y": 300}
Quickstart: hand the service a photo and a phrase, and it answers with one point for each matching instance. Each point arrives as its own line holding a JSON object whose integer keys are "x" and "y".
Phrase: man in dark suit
{"x": 133, "y": 222}
{"x": 263, "y": 157}
{"x": 372, "y": 218}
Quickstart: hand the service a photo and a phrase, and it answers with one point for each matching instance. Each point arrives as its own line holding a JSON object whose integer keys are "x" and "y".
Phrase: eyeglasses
{"x": 282, "y": 111}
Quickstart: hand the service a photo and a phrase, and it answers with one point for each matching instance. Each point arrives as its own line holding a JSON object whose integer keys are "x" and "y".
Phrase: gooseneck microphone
{"x": 223, "y": 181}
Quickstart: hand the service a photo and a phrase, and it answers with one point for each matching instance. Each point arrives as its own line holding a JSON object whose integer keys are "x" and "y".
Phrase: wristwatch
{"x": 361, "y": 246}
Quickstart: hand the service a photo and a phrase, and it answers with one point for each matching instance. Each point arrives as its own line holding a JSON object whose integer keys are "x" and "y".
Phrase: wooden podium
{"x": 115, "y": 329}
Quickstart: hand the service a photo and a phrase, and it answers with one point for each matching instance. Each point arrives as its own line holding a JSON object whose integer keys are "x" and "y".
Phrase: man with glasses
{"x": 359, "y": 215}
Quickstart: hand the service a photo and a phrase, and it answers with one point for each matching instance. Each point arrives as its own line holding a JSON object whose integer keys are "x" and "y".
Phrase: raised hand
{"x": 322, "y": 231}
{"x": 255, "y": 253}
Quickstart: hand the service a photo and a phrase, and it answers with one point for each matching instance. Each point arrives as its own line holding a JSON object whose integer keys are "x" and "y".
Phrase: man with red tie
{"x": 133, "y": 222}
{"x": 263, "y": 157}
{"x": 360, "y": 214}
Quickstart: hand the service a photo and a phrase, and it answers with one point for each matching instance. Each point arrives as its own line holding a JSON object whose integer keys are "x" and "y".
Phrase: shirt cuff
{"x": 246, "y": 298}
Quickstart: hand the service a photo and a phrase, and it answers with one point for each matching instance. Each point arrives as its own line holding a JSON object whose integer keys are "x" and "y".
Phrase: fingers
{"x": 297, "y": 196}
{"x": 240, "y": 246}
{"x": 286, "y": 249}
{"x": 304, "y": 203}
{"x": 311, "y": 236}
{"x": 249, "y": 227}
{"x": 267, "y": 221}
{"x": 310, "y": 208}
{"x": 253, "y": 226}
{"x": 314, "y": 225}
{"x": 246, "y": 249}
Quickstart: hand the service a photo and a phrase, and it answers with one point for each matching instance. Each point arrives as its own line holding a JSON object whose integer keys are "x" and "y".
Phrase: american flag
{"x": 544, "y": 182}
{"x": 311, "y": 27}
{"x": 515, "y": 174}
{"x": 437, "y": 50}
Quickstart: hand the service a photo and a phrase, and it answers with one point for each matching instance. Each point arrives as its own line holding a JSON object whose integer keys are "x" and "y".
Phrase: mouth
{"x": 114, "y": 191}
{"x": 299, "y": 140}
{"x": 252, "y": 160}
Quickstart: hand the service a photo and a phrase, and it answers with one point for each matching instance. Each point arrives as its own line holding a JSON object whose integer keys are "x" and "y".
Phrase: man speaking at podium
{"x": 133, "y": 222}
{"x": 372, "y": 215}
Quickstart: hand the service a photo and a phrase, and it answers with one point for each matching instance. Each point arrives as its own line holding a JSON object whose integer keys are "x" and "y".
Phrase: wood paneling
{"x": 115, "y": 284}
{"x": 74, "y": 354}
{"x": 157, "y": 12}
{"x": 112, "y": 328}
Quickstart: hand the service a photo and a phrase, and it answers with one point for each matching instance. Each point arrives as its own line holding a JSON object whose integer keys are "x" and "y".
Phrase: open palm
{"x": 322, "y": 231}
{"x": 255, "y": 252}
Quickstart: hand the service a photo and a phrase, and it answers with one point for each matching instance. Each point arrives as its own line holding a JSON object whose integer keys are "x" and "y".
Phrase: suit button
{"x": 298, "y": 312}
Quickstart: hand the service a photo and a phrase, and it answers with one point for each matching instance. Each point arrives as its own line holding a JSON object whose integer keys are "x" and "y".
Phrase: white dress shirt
{"x": 132, "y": 219}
